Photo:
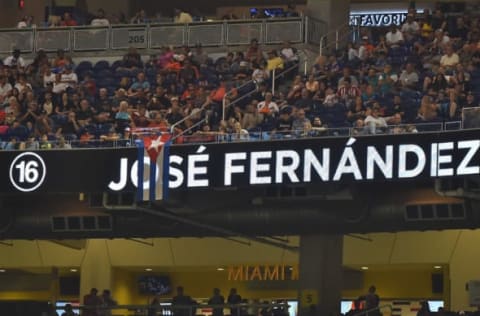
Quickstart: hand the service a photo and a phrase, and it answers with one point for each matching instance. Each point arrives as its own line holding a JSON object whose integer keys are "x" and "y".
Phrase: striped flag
{"x": 153, "y": 172}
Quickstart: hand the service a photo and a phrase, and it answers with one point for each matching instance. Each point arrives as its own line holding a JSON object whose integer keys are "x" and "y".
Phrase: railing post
{"x": 321, "y": 45}
{"x": 224, "y": 104}
{"x": 305, "y": 28}
{"x": 273, "y": 81}
{"x": 336, "y": 40}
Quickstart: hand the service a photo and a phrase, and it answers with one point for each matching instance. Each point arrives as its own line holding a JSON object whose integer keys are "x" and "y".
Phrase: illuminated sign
{"x": 249, "y": 164}
{"x": 263, "y": 273}
{"x": 377, "y": 19}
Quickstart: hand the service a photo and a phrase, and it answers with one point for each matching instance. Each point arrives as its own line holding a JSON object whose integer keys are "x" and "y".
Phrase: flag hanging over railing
{"x": 153, "y": 172}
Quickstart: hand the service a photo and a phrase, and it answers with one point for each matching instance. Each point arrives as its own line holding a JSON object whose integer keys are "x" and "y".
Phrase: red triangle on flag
{"x": 153, "y": 146}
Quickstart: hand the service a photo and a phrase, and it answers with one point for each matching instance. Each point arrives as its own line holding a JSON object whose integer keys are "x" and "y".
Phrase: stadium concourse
{"x": 413, "y": 78}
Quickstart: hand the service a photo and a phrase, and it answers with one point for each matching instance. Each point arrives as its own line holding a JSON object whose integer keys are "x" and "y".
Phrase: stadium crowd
{"x": 424, "y": 71}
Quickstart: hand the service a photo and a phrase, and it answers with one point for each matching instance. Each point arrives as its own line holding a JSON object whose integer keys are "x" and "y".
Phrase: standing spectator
{"x": 185, "y": 303}
{"x": 394, "y": 37}
{"x": 234, "y": 299}
{"x": 107, "y": 301}
{"x": 69, "y": 311}
{"x": 372, "y": 300}
{"x": 91, "y": 302}
{"x": 100, "y": 19}
{"x": 139, "y": 18}
{"x": 14, "y": 60}
{"x": 68, "y": 20}
{"x": 182, "y": 17}
{"x": 217, "y": 299}
{"x": 424, "y": 309}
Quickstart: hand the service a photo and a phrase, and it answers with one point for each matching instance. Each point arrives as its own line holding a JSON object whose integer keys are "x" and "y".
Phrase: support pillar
{"x": 96, "y": 268}
{"x": 320, "y": 275}
{"x": 336, "y": 14}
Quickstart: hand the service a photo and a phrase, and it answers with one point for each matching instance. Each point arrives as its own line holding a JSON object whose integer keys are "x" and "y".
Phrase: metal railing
{"x": 151, "y": 36}
{"x": 375, "y": 311}
{"x": 259, "y": 135}
{"x": 166, "y": 309}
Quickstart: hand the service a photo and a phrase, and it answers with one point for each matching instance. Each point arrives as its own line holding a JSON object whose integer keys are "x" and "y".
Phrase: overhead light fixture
{"x": 291, "y": 268}
{"x": 364, "y": 268}
{"x": 220, "y": 269}
{"x": 73, "y": 270}
{"x": 437, "y": 267}
{"x": 3, "y": 270}
{"x": 148, "y": 269}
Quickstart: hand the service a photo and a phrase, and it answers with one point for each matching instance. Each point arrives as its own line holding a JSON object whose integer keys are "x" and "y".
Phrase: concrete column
{"x": 96, "y": 268}
{"x": 335, "y": 13}
{"x": 320, "y": 275}
{"x": 463, "y": 268}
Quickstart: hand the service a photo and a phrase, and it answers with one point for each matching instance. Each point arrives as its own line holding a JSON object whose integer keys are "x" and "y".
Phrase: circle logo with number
{"x": 27, "y": 172}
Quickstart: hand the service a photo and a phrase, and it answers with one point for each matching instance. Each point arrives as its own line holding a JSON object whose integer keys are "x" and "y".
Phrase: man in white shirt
{"x": 268, "y": 106}
{"x": 394, "y": 37}
{"x": 100, "y": 19}
{"x": 5, "y": 88}
{"x": 182, "y": 17}
{"x": 15, "y": 60}
{"x": 450, "y": 59}
{"x": 374, "y": 121}
{"x": 410, "y": 28}
{"x": 68, "y": 79}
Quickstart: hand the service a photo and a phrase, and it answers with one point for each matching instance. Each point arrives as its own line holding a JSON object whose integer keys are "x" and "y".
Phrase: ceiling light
{"x": 148, "y": 269}
{"x": 291, "y": 268}
{"x": 220, "y": 269}
{"x": 364, "y": 268}
{"x": 73, "y": 270}
{"x": 3, "y": 270}
{"x": 437, "y": 267}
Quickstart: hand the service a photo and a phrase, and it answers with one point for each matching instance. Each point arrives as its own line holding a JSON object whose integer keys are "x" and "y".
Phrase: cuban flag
{"x": 153, "y": 172}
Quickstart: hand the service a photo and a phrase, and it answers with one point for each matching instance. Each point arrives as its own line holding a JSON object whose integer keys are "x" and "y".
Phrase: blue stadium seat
{"x": 101, "y": 65}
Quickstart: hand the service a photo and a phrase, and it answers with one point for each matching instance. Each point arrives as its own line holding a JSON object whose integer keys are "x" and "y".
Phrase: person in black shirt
{"x": 233, "y": 299}
{"x": 183, "y": 301}
{"x": 217, "y": 299}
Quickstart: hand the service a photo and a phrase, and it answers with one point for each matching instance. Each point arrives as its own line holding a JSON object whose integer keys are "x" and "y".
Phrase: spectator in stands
{"x": 410, "y": 29}
{"x": 254, "y": 52}
{"x": 217, "y": 299}
{"x": 139, "y": 18}
{"x": 15, "y": 60}
{"x": 347, "y": 91}
{"x": 185, "y": 302}
{"x": 26, "y": 22}
{"x": 61, "y": 60}
{"x": 107, "y": 301}
{"x": 91, "y": 302}
{"x": 291, "y": 11}
{"x": 289, "y": 54}
{"x": 131, "y": 61}
{"x": 299, "y": 121}
{"x": 274, "y": 62}
{"x": 100, "y": 19}
{"x": 182, "y": 17}
{"x": 139, "y": 88}
{"x": 450, "y": 59}
{"x": 428, "y": 111}
{"x": 5, "y": 89}
{"x": 394, "y": 38}
{"x": 424, "y": 309}
{"x": 409, "y": 77}
{"x": 234, "y": 299}
{"x": 68, "y": 20}
{"x": 357, "y": 110}
{"x": 374, "y": 122}
{"x": 70, "y": 128}
{"x": 69, "y": 311}
{"x": 65, "y": 81}
{"x": 268, "y": 106}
